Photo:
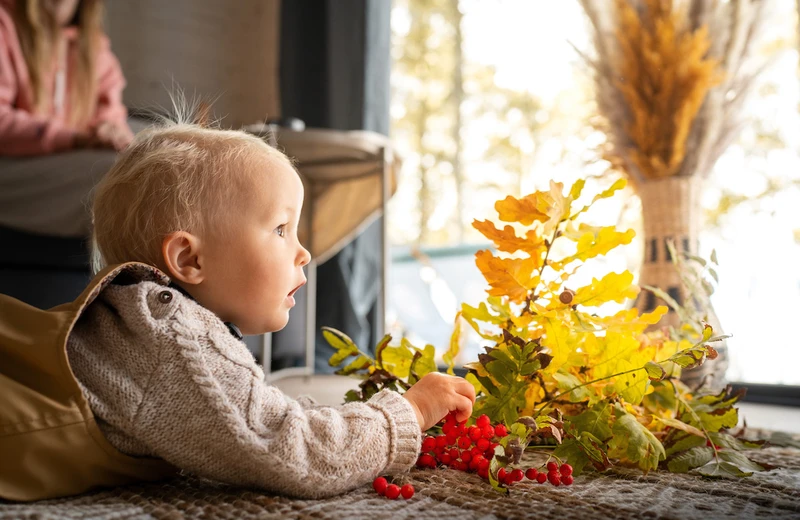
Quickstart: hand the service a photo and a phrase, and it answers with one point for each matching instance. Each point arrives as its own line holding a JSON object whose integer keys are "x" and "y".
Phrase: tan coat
{"x": 137, "y": 367}
{"x": 50, "y": 443}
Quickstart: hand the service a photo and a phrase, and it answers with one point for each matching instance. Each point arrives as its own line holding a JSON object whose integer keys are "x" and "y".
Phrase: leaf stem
{"x": 548, "y": 403}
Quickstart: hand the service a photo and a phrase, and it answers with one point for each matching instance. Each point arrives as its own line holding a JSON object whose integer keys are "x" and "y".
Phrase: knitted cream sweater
{"x": 165, "y": 378}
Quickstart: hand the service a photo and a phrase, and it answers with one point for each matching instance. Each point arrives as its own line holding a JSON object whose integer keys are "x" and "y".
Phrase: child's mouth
{"x": 290, "y": 297}
{"x": 291, "y": 294}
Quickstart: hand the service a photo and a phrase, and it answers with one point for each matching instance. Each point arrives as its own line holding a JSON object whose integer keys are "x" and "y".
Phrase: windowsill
{"x": 770, "y": 417}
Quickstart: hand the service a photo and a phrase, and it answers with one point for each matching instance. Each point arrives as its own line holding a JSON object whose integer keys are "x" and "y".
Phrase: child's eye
{"x": 281, "y": 230}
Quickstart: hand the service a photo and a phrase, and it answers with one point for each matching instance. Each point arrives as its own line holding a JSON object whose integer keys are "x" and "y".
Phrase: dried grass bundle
{"x": 670, "y": 80}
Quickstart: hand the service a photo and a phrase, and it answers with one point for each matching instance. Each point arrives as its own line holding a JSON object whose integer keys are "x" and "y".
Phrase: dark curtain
{"x": 335, "y": 60}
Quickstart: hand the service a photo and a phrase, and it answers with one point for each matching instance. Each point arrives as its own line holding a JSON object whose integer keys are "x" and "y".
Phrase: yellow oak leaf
{"x": 616, "y": 287}
{"x": 534, "y": 394}
{"x": 595, "y": 243}
{"x": 609, "y": 192}
{"x": 557, "y": 339}
{"x": 559, "y": 207}
{"x": 511, "y": 277}
{"x": 506, "y": 239}
{"x": 631, "y": 386}
{"x": 527, "y": 210}
{"x": 628, "y": 320}
{"x": 550, "y": 207}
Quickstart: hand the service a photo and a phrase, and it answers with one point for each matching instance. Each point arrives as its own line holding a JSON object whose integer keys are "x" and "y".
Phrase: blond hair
{"x": 38, "y": 33}
{"x": 176, "y": 177}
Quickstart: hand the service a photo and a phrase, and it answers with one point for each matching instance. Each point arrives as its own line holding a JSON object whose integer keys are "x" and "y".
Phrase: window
{"x": 491, "y": 99}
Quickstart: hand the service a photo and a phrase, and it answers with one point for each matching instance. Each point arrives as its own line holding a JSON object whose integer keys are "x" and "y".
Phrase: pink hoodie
{"x": 24, "y": 133}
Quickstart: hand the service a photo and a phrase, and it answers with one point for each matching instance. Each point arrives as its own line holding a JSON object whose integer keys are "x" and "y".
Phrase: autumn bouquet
{"x": 671, "y": 77}
{"x": 555, "y": 374}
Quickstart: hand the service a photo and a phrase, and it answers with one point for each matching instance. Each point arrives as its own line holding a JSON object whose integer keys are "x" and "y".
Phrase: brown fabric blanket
{"x": 618, "y": 493}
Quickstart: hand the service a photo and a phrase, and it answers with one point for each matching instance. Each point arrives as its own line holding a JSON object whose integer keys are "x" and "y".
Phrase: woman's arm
{"x": 23, "y": 133}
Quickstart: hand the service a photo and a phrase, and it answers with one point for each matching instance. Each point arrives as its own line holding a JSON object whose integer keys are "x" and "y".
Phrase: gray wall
{"x": 219, "y": 50}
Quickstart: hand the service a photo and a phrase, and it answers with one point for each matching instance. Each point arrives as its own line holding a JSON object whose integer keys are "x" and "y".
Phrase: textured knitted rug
{"x": 617, "y": 493}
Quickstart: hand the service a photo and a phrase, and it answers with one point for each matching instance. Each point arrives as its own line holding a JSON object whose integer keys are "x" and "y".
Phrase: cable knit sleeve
{"x": 207, "y": 410}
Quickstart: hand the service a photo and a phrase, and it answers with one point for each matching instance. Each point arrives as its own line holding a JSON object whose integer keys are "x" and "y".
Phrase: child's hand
{"x": 435, "y": 395}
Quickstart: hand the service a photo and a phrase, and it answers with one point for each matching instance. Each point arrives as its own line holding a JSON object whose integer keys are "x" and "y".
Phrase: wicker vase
{"x": 671, "y": 211}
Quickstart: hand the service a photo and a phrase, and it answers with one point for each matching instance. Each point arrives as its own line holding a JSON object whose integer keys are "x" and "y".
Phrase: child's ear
{"x": 181, "y": 253}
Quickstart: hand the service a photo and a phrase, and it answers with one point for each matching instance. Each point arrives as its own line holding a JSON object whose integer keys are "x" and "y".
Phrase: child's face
{"x": 253, "y": 271}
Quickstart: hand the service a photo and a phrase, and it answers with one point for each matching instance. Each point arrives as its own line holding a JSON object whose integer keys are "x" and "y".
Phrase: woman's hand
{"x": 436, "y": 395}
{"x": 111, "y": 135}
{"x": 105, "y": 135}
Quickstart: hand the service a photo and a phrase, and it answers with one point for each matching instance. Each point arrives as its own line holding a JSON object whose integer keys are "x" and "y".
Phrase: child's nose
{"x": 304, "y": 257}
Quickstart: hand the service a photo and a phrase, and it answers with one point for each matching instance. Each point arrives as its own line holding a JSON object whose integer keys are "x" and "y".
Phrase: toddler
{"x": 159, "y": 355}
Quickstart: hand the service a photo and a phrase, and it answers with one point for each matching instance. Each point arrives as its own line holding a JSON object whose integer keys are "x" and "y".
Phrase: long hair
{"x": 38, "y": 33}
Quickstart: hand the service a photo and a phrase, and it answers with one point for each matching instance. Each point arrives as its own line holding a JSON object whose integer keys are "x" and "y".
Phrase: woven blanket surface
{"x": 619, "y": 493}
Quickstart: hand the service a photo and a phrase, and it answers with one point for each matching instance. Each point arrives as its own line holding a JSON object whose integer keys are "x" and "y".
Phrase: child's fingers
{"x": 466, "y": 389}
{"x": 463, "y": 407}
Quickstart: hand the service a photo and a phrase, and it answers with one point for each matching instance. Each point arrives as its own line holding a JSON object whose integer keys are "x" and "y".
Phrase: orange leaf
{"x": 511, "y": 277}
{"x": 527, "y": 210}
{"x": 507, "y": 240}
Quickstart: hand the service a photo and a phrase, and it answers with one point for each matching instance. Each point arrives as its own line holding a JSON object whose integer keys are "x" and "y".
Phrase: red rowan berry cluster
{"x": 555, "y": 474}
{"x": 392, "y": 491}
{"x": 472, "y": 449}
{"x": 462, "y": 448}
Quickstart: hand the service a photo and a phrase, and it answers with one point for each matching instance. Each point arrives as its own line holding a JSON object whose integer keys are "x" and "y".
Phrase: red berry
{"x": 483, "y": 444}
{"x": 460, "y": 465}
{"x": 484, "y": 472}
{"x": 487, "y": 431}
{"x": 392, "y": 491}
{"x": 501, "y": 474}
{"x": 466, "y": 456}
{"x": 451, "y": 437}
{"x": 500, "y": 430}
{"x": 531, "y": 474}
{"x": 541, "y": 478}
{"x": 441, "y": 441}
{"x": 454, "y": 453}
{"x": 475, "y": 433}
{"x": 379, "y": 485}
{"x": 483, "y": 421}
{"x": 566, "y": 470}
{"x": 516, "y": 474}
{"x": 474, "y": 464}
{"x": 567, "y": 480}
{"x": 484, "y": 464}
{"x": 407, "y": 491}
{"x": 445, "y": 459}
{"x": 426, "y": 461}
{"x": 554, "y": 478}
{"x": 552, "y": 466}
{"x": 464, "y": 443}
{"x": 428, "y": 443}
{"x": 448, "y": 427}
{"x": 475, "y": 452}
